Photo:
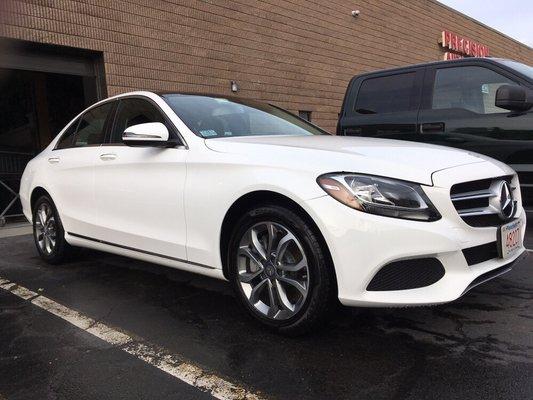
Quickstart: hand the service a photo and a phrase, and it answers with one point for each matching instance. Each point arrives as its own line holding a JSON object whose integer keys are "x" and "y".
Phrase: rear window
{"x": 91, "y": 127}
{"x": 68, "y": 137}
{"x": 385, "y": 94}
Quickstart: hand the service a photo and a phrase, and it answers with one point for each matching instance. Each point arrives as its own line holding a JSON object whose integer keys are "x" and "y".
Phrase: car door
{"x": 71, "y": 176}
{"x": 459, "y": 110}
{"x": 139, "y": 190}
{"x": 383, "y": 105}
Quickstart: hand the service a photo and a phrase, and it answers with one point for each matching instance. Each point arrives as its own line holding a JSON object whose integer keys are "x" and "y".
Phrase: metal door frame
{"x": 46, "y": 58}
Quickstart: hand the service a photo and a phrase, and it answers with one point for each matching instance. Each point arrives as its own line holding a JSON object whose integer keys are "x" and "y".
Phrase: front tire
{"x": 48, "y": 232}
{"x": 280, "y": 271}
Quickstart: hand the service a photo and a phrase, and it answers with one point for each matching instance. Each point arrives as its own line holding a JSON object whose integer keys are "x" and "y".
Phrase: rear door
{"x": 71, "y": 170}
{"x": 383, "y": 105}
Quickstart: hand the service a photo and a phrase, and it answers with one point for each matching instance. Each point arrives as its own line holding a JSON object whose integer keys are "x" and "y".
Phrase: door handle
{"x": 108, "y": 156}
{"x": 53, "y": 160}
{"x": 352, "y": 131}
{"x": 432, "y": 127}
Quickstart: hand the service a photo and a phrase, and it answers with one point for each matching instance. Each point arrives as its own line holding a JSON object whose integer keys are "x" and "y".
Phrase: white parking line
{"x": 154, "y": 355}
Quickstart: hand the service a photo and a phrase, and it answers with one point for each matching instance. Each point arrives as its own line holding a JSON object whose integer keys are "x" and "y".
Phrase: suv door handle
{"x": 432, "y": 127}
{"x": 352, "y": 131}
{"x": 53, "y": 160}
{"x": 108, "y": 156}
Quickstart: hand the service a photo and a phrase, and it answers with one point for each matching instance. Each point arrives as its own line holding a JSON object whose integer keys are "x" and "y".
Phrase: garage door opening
{"x": 43, "y": 87}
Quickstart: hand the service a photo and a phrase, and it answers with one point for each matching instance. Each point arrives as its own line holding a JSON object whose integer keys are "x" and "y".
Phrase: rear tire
{"x": 280, "y": 271}
{"x": 48, "y": 232}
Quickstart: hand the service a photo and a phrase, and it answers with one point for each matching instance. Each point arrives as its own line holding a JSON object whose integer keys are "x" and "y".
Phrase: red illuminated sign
{"x": 462, "y": 47}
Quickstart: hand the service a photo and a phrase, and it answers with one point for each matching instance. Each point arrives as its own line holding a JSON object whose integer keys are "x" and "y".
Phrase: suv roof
{"x": 433, "y": 63}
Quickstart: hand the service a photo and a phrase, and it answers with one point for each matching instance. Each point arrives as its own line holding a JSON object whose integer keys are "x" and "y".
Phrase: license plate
{"x": 510, "y": 239}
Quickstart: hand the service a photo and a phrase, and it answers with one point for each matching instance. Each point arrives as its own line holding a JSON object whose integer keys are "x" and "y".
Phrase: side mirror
{"x": 514, "y": 98}
{"x": 148, "y": 134}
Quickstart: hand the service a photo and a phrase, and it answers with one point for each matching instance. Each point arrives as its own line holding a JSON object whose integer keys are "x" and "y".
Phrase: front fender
{"x": 212, "y": 189}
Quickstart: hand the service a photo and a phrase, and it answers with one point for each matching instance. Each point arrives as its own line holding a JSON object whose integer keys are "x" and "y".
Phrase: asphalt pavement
{"x": 479, "y": 347}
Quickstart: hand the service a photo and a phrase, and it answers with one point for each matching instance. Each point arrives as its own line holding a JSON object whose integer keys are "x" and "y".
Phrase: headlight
{"x": 382, "y": 196}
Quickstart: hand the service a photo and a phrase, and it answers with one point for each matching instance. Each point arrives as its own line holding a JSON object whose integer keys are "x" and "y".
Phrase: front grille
{"x": 527, "y": 196}
{"x": 407, "y": 274}
{"x": 478, "y": 254}
{"x": 474, "y": 201}
{"x": 526, "y": 177}
{"x": 526, "y": 186}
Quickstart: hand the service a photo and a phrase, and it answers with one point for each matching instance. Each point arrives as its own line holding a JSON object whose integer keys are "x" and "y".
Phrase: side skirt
{"x": 161, "y": 259}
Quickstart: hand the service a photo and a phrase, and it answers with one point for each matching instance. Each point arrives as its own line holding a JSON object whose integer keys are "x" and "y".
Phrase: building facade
{"x": 57, "y": 56}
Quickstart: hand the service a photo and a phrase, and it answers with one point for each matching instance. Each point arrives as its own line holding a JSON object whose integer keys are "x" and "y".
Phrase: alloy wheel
{"x": 46, "y": 229}
{"x": 273, "y": 272}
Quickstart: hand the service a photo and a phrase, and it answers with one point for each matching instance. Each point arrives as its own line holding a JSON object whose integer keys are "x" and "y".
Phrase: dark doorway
{"x": 42, "y": 88}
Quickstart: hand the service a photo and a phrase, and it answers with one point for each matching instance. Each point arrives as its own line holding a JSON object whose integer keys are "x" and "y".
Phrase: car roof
{"x": 201, "y": 94}
{"x": 236, "y": 99}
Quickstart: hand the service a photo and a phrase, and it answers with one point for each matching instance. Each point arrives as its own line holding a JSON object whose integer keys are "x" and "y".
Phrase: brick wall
{"x": 299, "y": 54}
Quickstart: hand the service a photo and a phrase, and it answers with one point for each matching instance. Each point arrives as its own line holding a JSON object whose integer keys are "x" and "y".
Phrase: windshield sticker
{"x": 208, "y": 133}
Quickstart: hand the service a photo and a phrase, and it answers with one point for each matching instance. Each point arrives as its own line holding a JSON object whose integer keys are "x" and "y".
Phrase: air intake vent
{"x": 478, "y": 254}
{"x": 479, "y": 203}
{"x": 407, "y": 274}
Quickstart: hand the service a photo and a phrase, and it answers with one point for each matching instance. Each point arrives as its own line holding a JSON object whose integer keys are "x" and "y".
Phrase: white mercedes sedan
{"x": 293, "y": 217}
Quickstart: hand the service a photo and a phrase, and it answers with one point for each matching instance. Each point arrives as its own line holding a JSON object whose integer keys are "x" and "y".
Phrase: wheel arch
{"x": 37, "y": 192}
{"x": 264, "y": 197}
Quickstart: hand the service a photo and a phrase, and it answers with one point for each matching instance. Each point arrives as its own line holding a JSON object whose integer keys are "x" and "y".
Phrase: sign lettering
{"x": 461, "y": 47}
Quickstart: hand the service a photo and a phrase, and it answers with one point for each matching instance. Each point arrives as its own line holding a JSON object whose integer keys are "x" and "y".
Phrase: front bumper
{"x": 361, "y": 244}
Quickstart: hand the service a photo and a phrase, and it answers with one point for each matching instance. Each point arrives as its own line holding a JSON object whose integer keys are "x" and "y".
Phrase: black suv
{"x": 478, "y": 104}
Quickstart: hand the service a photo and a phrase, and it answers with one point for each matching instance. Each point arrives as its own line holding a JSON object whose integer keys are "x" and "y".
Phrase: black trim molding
{"x": 139, "y": 251}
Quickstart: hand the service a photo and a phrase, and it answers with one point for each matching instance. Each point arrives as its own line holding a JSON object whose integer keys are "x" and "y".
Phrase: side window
{"x": 91, "y": 127}
{"x": 67, "y": 139}
{"x": 385, "y": 94}
{"x": 132, "y": 112}
{"x": 470, "y": 88}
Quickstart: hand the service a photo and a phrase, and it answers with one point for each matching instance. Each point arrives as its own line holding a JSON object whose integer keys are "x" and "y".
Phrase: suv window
{"x": 470, "y": 88}
{"x": 91, "y": 127}
{"x": 68, "y": 136}
{"x": 385, "y": 94}
{"x": 132, "y": 112}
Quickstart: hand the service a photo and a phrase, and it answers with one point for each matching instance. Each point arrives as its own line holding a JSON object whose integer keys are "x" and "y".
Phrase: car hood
{"x": 410, "y": 161}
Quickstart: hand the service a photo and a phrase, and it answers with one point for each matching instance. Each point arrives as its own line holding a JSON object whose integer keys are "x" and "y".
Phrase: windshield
{"x": 215, "y": 117}
{"x": 519, "y": 67}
